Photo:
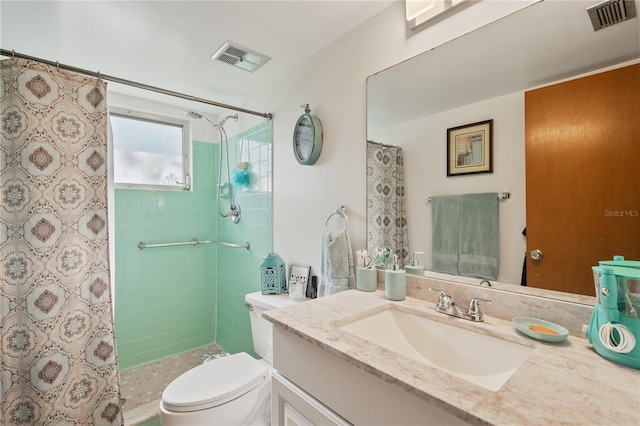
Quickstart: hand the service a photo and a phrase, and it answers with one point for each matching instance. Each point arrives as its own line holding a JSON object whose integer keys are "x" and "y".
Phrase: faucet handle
{"x": 444, "y": 300}
{"x": 474, "y": 308}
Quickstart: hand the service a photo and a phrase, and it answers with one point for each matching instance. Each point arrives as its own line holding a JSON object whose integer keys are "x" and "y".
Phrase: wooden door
{"x": 583, "y": 177}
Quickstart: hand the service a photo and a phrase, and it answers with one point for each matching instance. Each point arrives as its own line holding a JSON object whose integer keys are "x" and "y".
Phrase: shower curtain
{"x": 386, "y": 213}
{"x": 58, "y": 357}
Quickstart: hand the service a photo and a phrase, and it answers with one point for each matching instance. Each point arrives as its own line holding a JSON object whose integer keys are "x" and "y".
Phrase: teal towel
{"x": 446, "y": 233}
{"x": 479, "y": 236}
{"x": 336, "y": 263}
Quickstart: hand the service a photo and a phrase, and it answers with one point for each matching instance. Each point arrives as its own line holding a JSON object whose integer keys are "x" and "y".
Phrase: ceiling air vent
{"x": 611, "y": 12}
{"x": 240, "y": 57}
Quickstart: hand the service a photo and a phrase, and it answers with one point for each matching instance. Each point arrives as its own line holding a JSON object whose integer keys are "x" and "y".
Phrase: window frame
{"x": 187, "y": 168}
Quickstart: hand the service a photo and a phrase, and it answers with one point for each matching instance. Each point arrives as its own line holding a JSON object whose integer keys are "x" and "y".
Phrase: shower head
{"x": 192, "y": 114}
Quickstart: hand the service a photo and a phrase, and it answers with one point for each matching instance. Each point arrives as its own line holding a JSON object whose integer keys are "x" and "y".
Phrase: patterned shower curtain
{"x": 386, "y": 213}
{"x": 59, "y": 364}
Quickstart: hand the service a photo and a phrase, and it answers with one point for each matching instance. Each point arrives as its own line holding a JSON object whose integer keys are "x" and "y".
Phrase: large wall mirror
{"x": 486, "y": 75}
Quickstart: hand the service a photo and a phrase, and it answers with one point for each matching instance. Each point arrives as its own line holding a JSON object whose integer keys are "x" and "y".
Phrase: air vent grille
{"x": 240, "y": 57}
{"x": 231, "y": 50}
{"x": 611, "y": 12}
{"x": 228, "y": 59}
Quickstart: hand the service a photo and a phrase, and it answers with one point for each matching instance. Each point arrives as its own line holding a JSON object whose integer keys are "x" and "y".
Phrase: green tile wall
{"x": 166, "y": 298}
{"x": 241, "y": 271}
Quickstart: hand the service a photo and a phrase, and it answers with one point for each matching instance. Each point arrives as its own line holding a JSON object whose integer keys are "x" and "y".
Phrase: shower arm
{"x": 211, "y": 122}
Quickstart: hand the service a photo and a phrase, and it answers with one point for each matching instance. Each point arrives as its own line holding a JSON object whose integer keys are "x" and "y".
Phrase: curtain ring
{"x": 98, "y": 75}
{"x": 13, "y": 53}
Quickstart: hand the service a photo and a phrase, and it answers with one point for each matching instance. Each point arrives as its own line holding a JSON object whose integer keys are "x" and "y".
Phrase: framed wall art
{"x": 470, "y": 149}
{"x": 299, "y": 273}
{"x": 298, "y": 281}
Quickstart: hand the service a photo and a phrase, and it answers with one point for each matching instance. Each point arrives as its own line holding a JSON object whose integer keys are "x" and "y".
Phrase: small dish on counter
{"x": 538, "y": 329}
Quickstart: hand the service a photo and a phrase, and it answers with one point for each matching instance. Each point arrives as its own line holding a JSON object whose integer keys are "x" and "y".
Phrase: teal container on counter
{"x": 273, "y": 275}
{"x": 395, "y": 281}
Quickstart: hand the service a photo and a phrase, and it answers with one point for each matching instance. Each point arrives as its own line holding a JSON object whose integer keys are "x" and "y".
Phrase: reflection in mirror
{"x": 387, "y": 220}
{"x": 481, "y": 76}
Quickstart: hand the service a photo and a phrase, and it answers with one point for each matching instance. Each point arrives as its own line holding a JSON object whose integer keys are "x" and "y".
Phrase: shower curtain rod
{"x": 382, "y": 144}
{"x": 99, "y": 75}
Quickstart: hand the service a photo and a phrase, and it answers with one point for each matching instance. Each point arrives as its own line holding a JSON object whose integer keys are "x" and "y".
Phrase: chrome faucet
{"x": 445, "y": 302}
{"x": 473, "y": 312}
{"x": 446, "y": 305}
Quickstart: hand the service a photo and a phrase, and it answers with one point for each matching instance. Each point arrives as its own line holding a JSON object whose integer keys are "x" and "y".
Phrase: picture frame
{"x": 470, "y": 149}
{"x": 299, "y": 274}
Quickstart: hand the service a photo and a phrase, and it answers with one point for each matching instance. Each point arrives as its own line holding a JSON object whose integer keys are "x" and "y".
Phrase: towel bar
{"x": 501, "y": 196}
{"x": 342, "y": 212}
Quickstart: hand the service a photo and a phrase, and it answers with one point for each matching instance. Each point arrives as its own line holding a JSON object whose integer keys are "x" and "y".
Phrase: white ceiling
{"x": 169, "y": 44}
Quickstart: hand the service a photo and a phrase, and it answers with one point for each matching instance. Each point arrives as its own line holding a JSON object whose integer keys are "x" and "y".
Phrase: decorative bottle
{"x": 395, "y": 281}
{"x": 414, "y": 268}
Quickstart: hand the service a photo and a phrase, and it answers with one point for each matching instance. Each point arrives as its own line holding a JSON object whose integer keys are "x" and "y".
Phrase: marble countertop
{"x": 559, "y": 383}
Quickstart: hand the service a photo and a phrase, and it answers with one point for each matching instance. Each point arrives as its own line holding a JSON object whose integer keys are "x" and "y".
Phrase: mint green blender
{"x": 614, "y": 329}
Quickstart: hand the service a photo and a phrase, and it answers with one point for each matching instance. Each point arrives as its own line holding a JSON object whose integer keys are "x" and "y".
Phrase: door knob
{"x": 536, "y": 254}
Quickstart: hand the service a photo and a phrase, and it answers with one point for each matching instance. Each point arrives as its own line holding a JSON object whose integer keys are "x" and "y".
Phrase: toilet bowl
{"x": 230, "y": 390}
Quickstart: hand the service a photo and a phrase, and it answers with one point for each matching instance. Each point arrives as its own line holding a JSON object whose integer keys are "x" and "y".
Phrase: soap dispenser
{"x": 395, "y": 281}
{"x": 414, "y": 268}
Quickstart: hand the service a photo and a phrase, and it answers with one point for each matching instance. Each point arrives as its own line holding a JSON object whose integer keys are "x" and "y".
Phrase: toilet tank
{"x": 261, "y": 329}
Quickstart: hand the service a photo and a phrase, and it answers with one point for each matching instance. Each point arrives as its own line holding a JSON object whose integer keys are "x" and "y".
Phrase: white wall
{"x": 333, "y": 82}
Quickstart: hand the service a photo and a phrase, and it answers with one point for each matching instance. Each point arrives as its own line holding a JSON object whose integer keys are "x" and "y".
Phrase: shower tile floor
{"x": 142, "y": 386}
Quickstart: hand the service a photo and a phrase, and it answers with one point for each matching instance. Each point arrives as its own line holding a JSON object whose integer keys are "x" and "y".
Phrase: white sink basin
{"x": 484, "y": 360}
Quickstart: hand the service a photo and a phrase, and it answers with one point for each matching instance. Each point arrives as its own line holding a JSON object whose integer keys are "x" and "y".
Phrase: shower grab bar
{"x": 194, "y": 242}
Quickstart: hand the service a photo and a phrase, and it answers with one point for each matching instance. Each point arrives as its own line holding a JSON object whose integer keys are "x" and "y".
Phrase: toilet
{"x": 230, "y": 390}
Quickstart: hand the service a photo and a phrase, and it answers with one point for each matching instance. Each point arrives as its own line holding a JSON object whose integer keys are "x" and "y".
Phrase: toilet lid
{"x": 214, "y": 383}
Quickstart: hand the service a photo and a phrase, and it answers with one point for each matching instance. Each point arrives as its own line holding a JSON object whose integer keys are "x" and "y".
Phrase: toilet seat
{"x": 214, "y": 383}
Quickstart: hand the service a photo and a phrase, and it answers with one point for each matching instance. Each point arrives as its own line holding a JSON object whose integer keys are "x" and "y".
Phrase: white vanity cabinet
{"x": 320, "y": 388}
{"x": 365, "y": 383}
{"x": 292, "y": 406}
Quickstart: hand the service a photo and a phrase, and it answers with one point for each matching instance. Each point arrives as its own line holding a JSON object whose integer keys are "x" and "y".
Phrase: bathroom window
{"x": 150, "y": 152}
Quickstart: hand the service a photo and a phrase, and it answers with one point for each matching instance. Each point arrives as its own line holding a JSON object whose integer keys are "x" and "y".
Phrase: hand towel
{"x": 446, "y": 233}
{"x": 479, "y": 236}
{"x": 336, "y": 266}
